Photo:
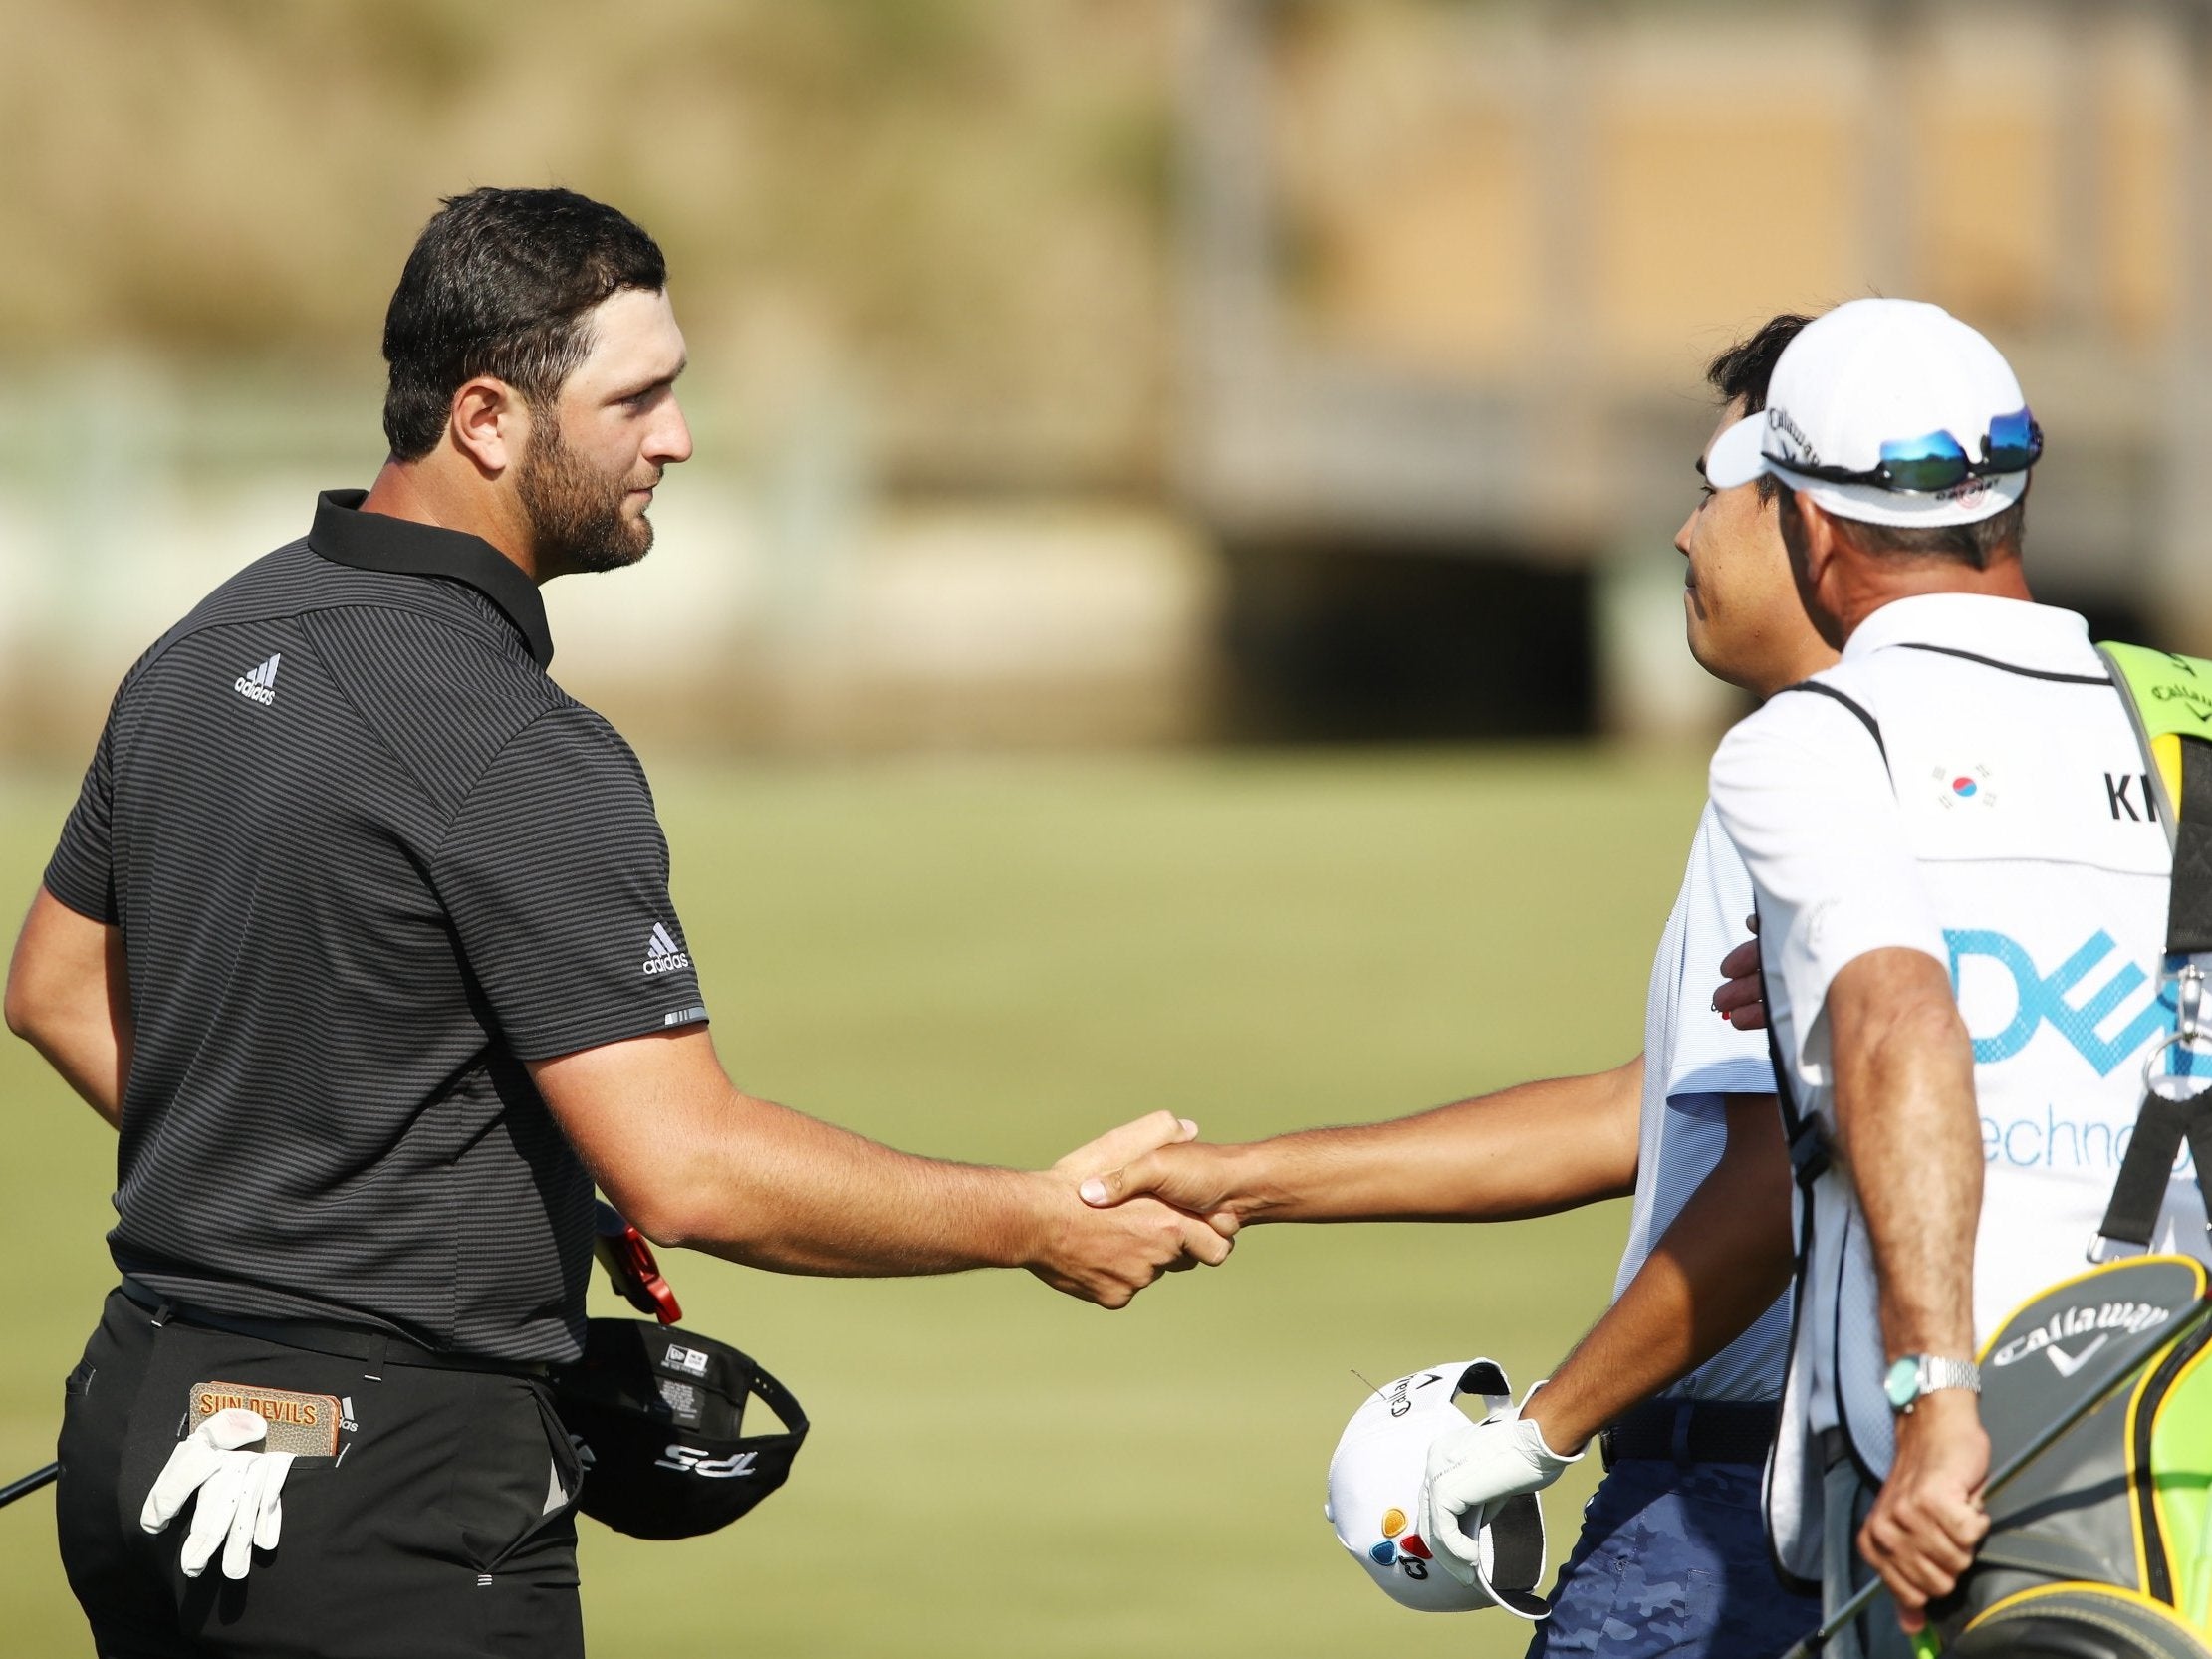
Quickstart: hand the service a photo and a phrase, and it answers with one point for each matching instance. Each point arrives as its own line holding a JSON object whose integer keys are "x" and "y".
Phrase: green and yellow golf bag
{"x": 2100, "y": 1548}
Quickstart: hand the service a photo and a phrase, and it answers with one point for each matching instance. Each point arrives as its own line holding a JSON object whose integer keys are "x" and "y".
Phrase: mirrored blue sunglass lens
{"x": 1933, "y": 462}
{"x": 2014, "y": 442}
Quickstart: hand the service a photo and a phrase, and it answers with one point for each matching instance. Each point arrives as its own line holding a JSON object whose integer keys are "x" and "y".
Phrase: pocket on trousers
{"x": 518, "y": 1480}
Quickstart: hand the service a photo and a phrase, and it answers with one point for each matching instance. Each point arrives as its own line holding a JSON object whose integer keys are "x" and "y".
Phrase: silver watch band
{"x": 1936, "y": 1372}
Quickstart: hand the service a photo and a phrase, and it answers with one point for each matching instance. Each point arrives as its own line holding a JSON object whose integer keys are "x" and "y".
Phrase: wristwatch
{"x": 1917, "y": 1374}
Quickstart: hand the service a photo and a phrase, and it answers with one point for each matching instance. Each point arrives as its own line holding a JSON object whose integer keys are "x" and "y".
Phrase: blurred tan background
{"x": 1101, "y": 375}
{"x": 1097, "y": 370}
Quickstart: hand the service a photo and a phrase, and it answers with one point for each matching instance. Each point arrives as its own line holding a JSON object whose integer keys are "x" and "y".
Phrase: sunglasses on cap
{"x": 1937, "y": 461}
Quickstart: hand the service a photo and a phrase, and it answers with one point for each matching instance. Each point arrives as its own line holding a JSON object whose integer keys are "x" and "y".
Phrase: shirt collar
{"x": 2012, "y": 631}
{"x": 346, "y": 534}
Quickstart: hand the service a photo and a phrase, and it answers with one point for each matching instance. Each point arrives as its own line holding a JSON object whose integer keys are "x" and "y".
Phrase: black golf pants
{"x": 443, "y": 1531}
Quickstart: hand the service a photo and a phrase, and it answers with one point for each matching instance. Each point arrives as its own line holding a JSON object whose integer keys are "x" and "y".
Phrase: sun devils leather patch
{"x": 302, "y": 1424}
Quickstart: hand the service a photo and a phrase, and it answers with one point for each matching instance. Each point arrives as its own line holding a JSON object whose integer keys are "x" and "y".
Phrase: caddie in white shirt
{"x": 1963, "y": 893}
{"x": 1672, "y": 1559}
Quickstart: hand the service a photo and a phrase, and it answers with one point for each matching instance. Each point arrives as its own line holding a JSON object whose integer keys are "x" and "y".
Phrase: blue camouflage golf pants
{"x": 1672, "y": 1563}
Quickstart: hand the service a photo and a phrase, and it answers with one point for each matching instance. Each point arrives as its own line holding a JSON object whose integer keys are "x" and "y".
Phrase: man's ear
{"x": 1818, "y": 537}
{"x": 489, "y": 424}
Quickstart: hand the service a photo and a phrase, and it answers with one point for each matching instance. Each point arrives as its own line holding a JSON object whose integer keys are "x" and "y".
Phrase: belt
{"x": 1692, "y": 1431}
{"x": 348, "y": 1342}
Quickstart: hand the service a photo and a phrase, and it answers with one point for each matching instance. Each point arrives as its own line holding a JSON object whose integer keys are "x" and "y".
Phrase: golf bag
{"x": 2104, "y": 1545}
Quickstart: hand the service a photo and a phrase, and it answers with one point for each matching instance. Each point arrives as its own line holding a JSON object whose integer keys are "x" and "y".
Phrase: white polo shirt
{"x": 1693, "y": 1060}
{"x": 1964, "y": 782}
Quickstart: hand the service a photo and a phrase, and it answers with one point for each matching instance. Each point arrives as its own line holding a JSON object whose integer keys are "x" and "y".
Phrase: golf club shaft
{"x": 2035, "y": 1447}
{"x": 29, "y": 1483}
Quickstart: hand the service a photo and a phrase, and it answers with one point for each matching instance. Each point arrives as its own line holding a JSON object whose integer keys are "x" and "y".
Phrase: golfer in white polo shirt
{"x": 1672, "y": 1559}
{"x": 1963, "y": 925}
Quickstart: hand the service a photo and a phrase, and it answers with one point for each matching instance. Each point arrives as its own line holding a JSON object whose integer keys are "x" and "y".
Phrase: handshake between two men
{"x": 1706, "y": 1275}
{"x": 1440, "y": 1165}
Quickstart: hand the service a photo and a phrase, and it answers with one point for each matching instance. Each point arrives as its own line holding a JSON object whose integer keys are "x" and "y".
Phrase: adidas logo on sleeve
{"x": 259, "y": 685}
{"x": 662, "y": 954}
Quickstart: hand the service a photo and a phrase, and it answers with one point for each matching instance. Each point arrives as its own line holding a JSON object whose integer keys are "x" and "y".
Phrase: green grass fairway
{"x": 996, "y": 960}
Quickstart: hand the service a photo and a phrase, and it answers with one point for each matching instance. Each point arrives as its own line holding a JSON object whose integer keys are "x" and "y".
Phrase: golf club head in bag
{"x": 661, "y": 1412}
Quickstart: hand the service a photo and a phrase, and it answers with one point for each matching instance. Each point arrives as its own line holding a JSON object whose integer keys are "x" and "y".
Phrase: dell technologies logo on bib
{"x": 2051, "y": 999}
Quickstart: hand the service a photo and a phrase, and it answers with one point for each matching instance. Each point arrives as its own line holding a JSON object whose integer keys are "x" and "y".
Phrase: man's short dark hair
{"x": 1742, "y": 373}
{"x": 1973, "y": 544}
{"x": 503, "y": 283}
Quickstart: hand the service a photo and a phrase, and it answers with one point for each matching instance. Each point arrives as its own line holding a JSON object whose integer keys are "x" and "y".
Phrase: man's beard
{"x": 576, "y": 514}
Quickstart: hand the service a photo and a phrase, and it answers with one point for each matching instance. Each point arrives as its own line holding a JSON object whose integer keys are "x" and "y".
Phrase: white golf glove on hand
{"x": 240, "y": 1491}
{"x": 1472, "y": 1468}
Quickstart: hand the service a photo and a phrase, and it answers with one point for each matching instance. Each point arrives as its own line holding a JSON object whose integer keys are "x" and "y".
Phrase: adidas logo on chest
{"x": 259, "y": 685}
{"x": 662, "y": 954}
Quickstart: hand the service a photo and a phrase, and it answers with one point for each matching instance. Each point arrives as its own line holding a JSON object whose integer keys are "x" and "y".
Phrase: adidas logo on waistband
{"x": 662, "y": 954}
{"x": 259, "y": 685}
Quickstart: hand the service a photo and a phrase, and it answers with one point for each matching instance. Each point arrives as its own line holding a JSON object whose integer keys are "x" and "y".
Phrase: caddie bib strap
{"x": 1809, "y": 1158}
{"x": 2189, "y": 918}
{"x": 2169, "y": 702}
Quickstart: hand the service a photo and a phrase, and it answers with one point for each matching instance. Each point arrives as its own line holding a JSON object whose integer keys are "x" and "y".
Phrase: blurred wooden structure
{"x": 1450, "y": 271}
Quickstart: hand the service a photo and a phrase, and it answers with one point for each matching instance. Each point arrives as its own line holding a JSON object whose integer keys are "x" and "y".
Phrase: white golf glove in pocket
{"x": 240, "y": 1508}
{"x": 1472, "y": 1468}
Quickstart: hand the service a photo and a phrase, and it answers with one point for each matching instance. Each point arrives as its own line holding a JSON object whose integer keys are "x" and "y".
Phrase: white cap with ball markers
{"x": 1891, "y": 412}
{"x": 1374, "y": 1490}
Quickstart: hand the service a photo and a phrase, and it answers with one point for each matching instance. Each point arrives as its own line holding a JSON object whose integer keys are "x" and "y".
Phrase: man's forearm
{"x": 1910, "y": 1139}
{"x": 692, "y": 1160}
{"x": 1718, "y": 1267}
{"x": 1526, "y": 1151}
{"x": 822, "y": 1199}
{"x": 774, "y": 1188}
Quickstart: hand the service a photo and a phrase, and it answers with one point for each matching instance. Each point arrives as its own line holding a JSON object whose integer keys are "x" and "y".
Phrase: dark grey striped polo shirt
{"x": 368, "y": 858}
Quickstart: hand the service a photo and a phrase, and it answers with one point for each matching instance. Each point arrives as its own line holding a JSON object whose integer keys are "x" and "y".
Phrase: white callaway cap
{"x": 1872, "y": 372}
{"x": 1374, "y": 1490}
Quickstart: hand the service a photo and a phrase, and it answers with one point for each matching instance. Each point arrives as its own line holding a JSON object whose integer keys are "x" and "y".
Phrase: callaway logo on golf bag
{"x": 2098, "y": 1321}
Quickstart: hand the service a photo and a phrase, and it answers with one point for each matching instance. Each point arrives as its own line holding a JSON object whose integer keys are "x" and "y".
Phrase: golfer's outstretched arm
{"x": 68, "y": 996}
{"x": 691, "y": 1159}
{"x": 1523, "y": 1151}
{"x": 1716, "y": 1269}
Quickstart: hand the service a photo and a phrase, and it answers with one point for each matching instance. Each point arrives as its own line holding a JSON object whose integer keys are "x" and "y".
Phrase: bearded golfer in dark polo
{"x": 359, "y": 934}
